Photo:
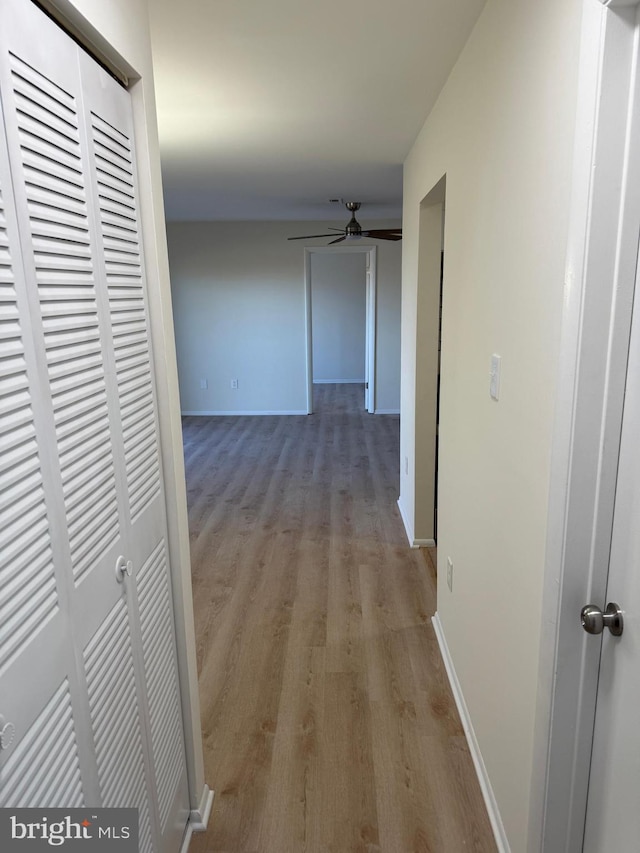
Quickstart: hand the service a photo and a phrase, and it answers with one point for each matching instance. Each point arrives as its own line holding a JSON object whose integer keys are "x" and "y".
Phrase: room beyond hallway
{"x": 339, "y": 398}
{"x": 328, "y": 722}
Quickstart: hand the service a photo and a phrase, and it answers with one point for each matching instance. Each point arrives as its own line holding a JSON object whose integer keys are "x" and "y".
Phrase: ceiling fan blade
{"x": 339, "y": 240}
{"x": 378, "y": 232}
{"x": 385, "y": 235}
{"x": 311, "y": 236}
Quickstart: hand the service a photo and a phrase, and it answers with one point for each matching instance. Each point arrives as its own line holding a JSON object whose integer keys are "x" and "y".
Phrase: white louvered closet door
{"x": 81, "y": 312}
{"x": 39, "y": 689}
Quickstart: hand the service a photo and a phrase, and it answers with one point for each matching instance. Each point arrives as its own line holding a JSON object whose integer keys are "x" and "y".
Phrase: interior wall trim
{"x": 63, "y": 14}
{"x": 198, "y": 818}
{"x": 474, "y": 748}
{"x": 413, "y": 542}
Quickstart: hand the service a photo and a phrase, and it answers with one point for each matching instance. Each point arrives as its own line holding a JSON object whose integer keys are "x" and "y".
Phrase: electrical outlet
{"x": 203, "y": 384}
{"x": 234, "y": 384}
{"x": 450, "y": 573}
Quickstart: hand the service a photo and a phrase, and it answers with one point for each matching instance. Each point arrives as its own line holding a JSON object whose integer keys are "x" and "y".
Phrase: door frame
{"x": 101, "y": 34}
{"x": 598, "y": 295}
{"x": 370, "y": 320}
{"x": 370, "y": 334}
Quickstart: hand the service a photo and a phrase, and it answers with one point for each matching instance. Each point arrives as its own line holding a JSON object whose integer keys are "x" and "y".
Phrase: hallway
{"x": 329, "y": 725}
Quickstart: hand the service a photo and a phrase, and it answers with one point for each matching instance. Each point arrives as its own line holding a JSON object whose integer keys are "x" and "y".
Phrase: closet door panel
{"x": 45, "y": 126}
{"x": 120, "y": 261}
{"x": 39, "y": 689}
{"x": 47, "y": 148}
{"x": 123, "y": 272}
{"x": 112, "y": 169}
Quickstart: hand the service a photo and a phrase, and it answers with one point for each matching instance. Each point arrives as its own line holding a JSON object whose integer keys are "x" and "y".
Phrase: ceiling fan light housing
{"x": 353, "y": 229}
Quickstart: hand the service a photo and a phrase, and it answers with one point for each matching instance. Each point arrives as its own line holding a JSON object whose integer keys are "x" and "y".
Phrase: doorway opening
{"x": 340, "y": 305}
{"x": 428, "y": 355}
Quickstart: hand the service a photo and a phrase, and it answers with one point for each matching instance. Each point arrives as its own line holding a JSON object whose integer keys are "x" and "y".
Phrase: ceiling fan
{"x": 354, "y": 231}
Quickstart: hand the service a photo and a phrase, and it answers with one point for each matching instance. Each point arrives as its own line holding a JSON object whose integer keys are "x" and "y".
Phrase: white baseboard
{"x": 408, "y": 527}
{"x": 198, "y": 818}
{"x": 387, "y": 411}
{"x": 483, "y": 777}
{"x": 338, "y": 382}
{"x": 224, "y": 413}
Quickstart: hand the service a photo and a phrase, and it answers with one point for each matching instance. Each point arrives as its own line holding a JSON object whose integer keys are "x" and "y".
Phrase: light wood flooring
{"x": 329, "y": 725}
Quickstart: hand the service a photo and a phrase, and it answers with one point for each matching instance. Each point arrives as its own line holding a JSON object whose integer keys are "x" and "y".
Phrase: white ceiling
{"x": 269, "y": 108}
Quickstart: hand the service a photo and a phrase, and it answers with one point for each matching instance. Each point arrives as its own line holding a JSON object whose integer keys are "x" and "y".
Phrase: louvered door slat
{"x": 37, "y": 174}
{"x": 67, "y": 216}
{"x": 19, "y": 468}
{"x": 66, "y": 229}
{"x": 108, "y": 161}
{"x": 49, "y": 150}
{"x": 54, "y": 253}
{"x": 16, "y": 426}
{"x": 76, "y": 380}
{"x": 55, "y": 172}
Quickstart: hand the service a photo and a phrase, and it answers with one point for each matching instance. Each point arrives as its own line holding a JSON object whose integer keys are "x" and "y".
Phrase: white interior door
{"x": 613, "y": 815}
{"x": 88, "y": 664}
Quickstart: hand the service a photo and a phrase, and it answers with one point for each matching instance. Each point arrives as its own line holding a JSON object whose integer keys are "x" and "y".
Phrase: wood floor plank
{"x": 453, "y": 790}
{"x": 328, "y": 721}
{"x": 348, "y": 794}
{"x": 292, "y": 815}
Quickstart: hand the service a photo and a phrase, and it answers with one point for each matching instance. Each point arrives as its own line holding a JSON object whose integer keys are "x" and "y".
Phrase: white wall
{"x": 502, "y": 134}
{"x": 338, "y": 313}
{"x": 239, "y": 305}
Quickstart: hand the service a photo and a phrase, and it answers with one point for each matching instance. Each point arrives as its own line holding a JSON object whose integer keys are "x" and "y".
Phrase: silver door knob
{"x": 594, "y": 621}
{"x": 123, "y": 568}
{"x": 7, "y": 733}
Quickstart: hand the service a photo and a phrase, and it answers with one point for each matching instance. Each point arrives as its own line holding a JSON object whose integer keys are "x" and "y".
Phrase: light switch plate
{"x": 494, "y": 377}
